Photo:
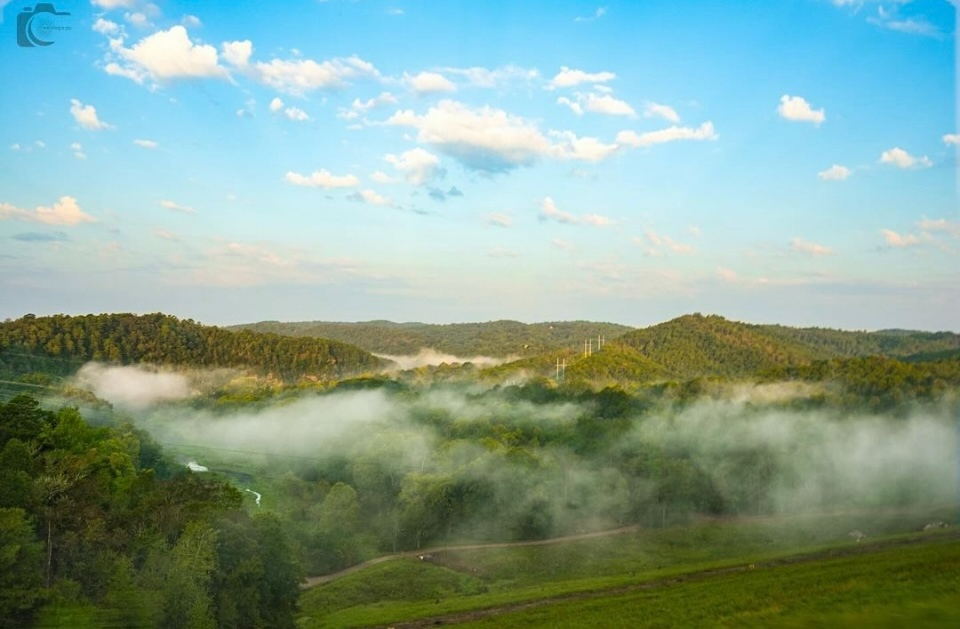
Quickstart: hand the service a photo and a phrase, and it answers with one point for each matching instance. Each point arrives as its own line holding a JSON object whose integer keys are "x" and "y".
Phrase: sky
{"x": 785, "y": 162}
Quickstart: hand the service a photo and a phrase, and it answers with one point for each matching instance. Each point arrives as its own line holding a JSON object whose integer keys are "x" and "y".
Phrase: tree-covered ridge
{"x": 695, "y": 346}
{"x": 98, "y": 529}
{"x": 829, "y": 343}
{"x": 494, "y": 338}
{"x": 166, "y": 340}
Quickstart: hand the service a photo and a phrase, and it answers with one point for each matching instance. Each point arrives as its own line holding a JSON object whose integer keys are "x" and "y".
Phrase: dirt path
{"x": 327, "y": 578}
{"x": 461, "y": 617}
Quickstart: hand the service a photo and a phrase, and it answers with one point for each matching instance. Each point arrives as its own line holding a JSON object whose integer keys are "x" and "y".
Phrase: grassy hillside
{"x": 596, "y": 575}
{"x": 59, "y": 343}
{"x": 493, "y": 338}
{"x": 890, "y": 587}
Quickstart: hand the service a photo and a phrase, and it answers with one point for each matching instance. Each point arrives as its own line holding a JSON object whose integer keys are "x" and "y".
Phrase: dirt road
{"x": 452, "y": 619}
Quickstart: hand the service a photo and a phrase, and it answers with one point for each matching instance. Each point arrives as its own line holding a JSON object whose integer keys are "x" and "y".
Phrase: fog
{"x": 431, "y": 357}
{"x": 132, "y": 387}
{"x": 527, "y": 469}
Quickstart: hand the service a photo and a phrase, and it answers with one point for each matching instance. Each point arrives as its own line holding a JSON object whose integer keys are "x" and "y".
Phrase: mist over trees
{"x": 102, "y": 522}
{"x": 100, "y": 529}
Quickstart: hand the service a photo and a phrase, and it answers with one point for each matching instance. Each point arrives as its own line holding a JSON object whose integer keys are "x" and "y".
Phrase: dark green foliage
{"x": 90, "y": 537}
{"x": 59, "y": 344}
{"x": 465, "y": 340}
{"x": 694, "y": 347}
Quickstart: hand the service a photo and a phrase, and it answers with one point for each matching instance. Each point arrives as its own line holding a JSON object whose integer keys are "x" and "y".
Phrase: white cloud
{"x": 176, "y": 207}
{"x": 299, "y": 76}
{"x": 493, "y": 141}
{"x": 656, "y": 245}
{"x": 598, "y": 104}
{"x": 809, "y": 248}
{"x": 597, "y": 220}
{"x": 797, "y": 109}
{"x": 322, "y": 179}
{"x": 585, "y": 149}
{"x": 237, "y": 53}
{"x": 940, "y": 225}
{"x": 599, "y": 13}
{"x": 86, "y": 116}
{"x": 147, "y": 144}
{"x": 575, "y": 106}
{"x": 890, "y": 19}
{"x": 276, "y": 104}
{"x": 901, "y": 159}
{"x": 166, "y": 55}
{"x": 894, "y": 239}
{"x": 114, "y": 4}
{"x": 191, "y": 21}
{"x": 64, "y": 212}
{"x": 606, "y": 104}
{"x": 78, "y": 151}
{"x": 835, "y": 173}
{"x": 429, "y": 83}
{"x": 295, "y": 113}
{"x": 382, "y": 177}
{"x": 499, "y": 219}
{"x": 484, "y": 139}
{"x": 951, "y": 138}
{"x": 568, "y": 77}
{"x": 369, "y": 196}
{"x": 138, "y": 19}
{"x": 656, "y": 110}
{"x": 417, "y": 165}
{"x": 106, "y": 27}
{"x": 550, "y": 211}
{"x": 385, "y": 98}
{"x": 672, "y": 134}
{"x": 483, "y": 77}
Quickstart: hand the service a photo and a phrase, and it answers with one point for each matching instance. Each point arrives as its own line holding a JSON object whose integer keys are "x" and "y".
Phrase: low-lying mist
{"x": 437, "y": 463}
{"x": 428, "y": 357}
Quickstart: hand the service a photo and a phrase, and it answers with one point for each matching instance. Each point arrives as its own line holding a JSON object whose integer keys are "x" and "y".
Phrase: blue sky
{"x": 790, "y": 162}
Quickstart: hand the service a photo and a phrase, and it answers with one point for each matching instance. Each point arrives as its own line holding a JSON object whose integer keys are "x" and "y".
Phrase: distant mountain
{"x": 495, "y": 338}
{"x": 695, "y": 345}
{"x": 58, "y": 344}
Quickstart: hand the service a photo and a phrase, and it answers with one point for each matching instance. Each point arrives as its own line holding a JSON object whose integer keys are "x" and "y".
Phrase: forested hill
{"x": 693, "y": 346}
{"x": 59, "y": 343}
{"x": 493, "y": 338}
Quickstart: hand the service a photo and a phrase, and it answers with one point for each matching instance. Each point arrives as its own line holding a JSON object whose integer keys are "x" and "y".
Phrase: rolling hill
{"x": 694, "y": 346}
{"x": 60, "y": 343}
{"x": 499, "y": 339}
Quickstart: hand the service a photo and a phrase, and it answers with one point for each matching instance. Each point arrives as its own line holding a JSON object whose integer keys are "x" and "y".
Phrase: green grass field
{"x": 582, "y": 583}
{"x": 897, "y": 586}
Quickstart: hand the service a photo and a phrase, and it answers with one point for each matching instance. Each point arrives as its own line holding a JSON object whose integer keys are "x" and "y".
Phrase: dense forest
{"x": 98, "y": 528}
{"x": 60, "y": 343}
{"x": 495, "y": 338}
{"x": 696, "y": 346}
{"x": 103, "y": 523}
